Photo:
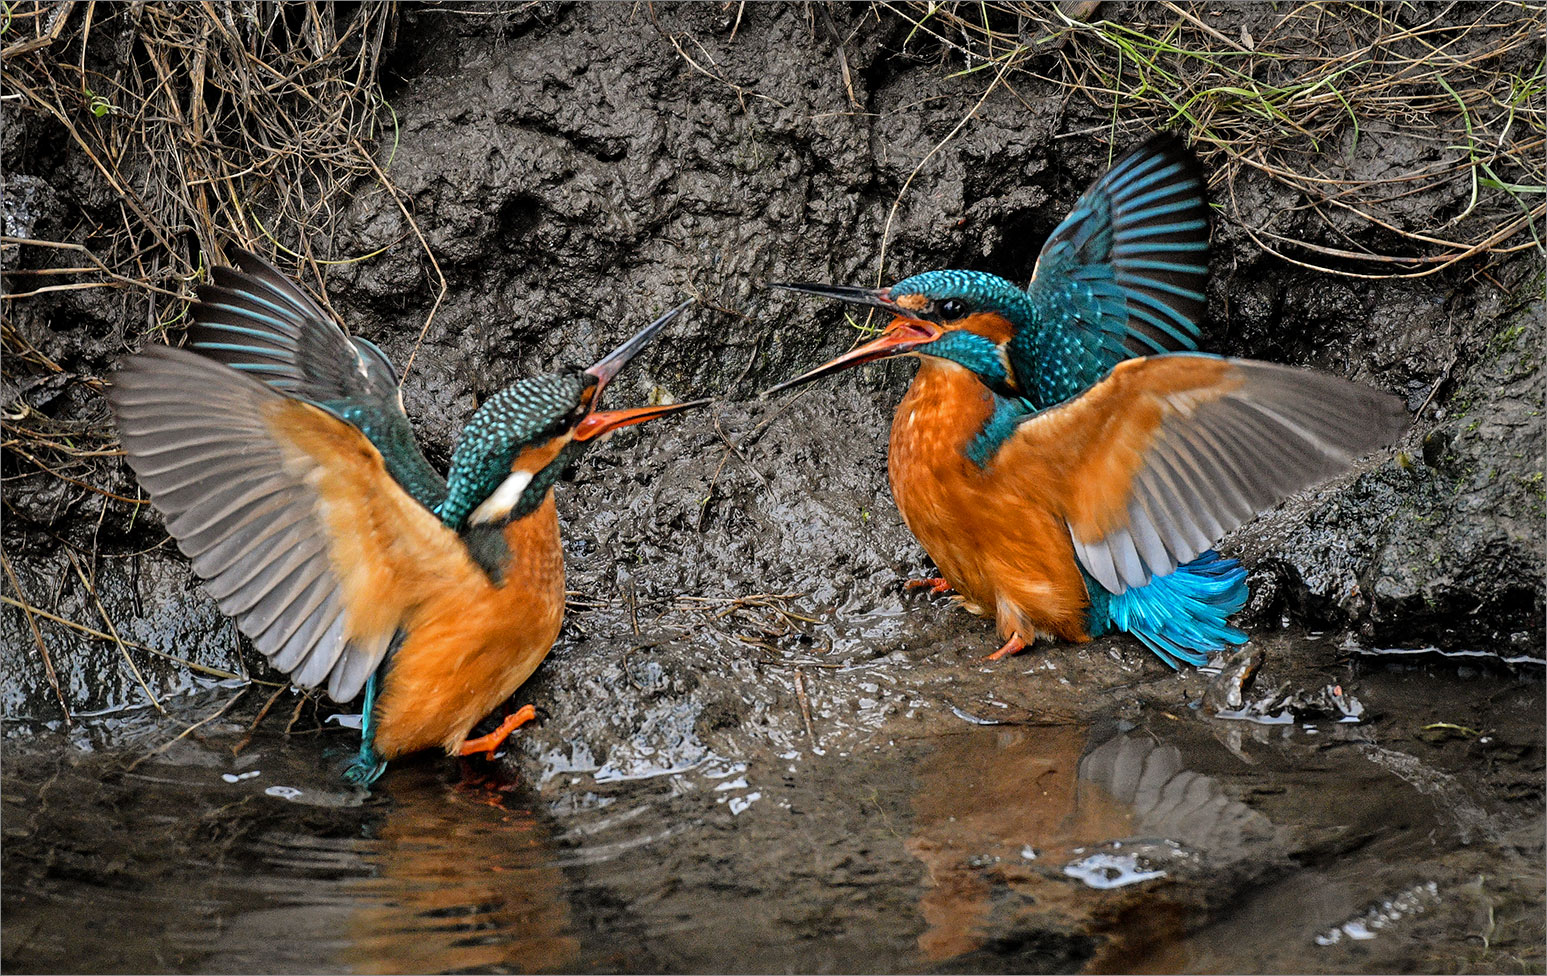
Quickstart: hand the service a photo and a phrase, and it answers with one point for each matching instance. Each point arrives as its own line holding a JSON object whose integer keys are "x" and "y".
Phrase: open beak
{"x": 600, "y": 422}
{"x": 603, "y": 421}
{"x": 878, "y": 297}
{"x": 900, "y": 338}
{"x": 610, "y": 364}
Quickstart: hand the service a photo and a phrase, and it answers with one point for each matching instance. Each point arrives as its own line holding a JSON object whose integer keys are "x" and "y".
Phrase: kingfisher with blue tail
{"x": 278, "y": 451}
{"x": 1066, "y": 457}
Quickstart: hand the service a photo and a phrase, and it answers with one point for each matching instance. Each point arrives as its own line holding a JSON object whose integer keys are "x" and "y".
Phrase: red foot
{"x": 488, "y": 743}
{"x": 1012, "y": 646}
{"x": 936, "y": 584}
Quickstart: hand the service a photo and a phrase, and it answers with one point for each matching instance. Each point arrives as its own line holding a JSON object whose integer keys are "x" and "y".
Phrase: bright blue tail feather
{"x": 1180, "y": 616}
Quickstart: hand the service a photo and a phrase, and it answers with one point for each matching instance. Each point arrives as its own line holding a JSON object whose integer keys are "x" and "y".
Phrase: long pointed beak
{"x": 602, "y": 421}
{"x": 900, "y": 338}
{"x": 878, "y": 297}
{"x": 609, "y": 365}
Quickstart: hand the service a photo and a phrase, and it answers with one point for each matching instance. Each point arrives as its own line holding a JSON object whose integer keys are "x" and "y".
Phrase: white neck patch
{"x": 502, "y": 499}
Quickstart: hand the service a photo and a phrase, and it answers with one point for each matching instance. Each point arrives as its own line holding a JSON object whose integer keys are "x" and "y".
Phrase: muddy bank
{"x": 572, "y": 174}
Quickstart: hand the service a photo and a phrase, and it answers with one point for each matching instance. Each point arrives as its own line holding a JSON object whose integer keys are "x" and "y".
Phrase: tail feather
{"x": 1180, "y": 616}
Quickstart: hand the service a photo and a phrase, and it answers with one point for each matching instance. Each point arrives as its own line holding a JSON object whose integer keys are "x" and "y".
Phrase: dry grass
{"x": 204, "y": 125}
{"x": 185, "y": 128}
{"x": 208, "y": 122}
{"x": 1307, "y": 104}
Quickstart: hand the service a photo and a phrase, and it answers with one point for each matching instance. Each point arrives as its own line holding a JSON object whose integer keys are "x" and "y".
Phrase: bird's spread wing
{"x": 1168, "y": 453}
{"x": 1124, "y": 274}
{"x": 260, "y": 322}
{"x": 286, "y": 512}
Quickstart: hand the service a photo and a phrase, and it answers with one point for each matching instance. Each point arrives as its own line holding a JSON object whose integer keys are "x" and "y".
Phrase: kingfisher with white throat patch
{"x": 277, "y": 449}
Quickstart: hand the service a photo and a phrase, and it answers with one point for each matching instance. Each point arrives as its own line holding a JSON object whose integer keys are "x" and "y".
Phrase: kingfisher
{"x": 1066, "y": 457}
{"x": 278, "y": 451}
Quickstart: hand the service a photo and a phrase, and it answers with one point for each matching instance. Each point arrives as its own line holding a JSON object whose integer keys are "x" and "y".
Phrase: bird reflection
{"x": 462, "y": 884}
{"x": 1001, "y": 810}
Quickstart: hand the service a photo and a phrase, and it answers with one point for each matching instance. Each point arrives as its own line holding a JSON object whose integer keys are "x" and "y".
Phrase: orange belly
{"x": 1007, "y": 552}
{"x": 468, "y": 651}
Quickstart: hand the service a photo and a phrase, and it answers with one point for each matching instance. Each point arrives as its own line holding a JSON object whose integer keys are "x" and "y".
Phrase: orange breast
{"x": 470, "y": 648}
{"x": 1001, "y": 546}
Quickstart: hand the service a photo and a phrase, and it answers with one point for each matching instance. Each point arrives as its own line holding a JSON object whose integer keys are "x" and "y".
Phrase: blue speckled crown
{"x": 985, "y": 292}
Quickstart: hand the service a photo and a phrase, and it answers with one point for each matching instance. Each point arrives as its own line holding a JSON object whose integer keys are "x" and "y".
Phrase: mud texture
{"x": 737, "y": 572}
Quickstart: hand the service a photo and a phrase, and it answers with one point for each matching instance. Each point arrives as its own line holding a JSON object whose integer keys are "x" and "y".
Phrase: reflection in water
{"x": 948, "y": 852}
{"x": 435, "y": 879}
{"x": 984, "y": 796}
{"x": 459, "y": 885}
{"x": 173, "y": 867}
{"x": 1169, "y": 801}
{"x": 1050, "y": 815}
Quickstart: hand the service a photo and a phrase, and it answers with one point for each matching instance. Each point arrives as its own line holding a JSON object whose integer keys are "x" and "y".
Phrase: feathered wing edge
{"x": 264, "y": 325}
{"x": 1221, "y": 453}
{"x": 260, "y": 322}
{"x": 245, "y": 507}
{"x": 1136, "y": 246}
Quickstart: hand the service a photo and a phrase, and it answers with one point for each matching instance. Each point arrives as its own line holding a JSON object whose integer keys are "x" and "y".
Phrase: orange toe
{"x": 488, "y": 743}
{"x": 1012, "y": 646}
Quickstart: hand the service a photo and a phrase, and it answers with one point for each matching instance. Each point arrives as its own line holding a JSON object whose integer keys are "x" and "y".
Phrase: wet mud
{"x": 758, "y": 751}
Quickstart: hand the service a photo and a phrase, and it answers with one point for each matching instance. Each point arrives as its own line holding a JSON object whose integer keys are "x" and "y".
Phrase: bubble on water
{"x": 283, "y": 792}
{"x": 1106, "y": 871}
{"x": 1367, "y": 924}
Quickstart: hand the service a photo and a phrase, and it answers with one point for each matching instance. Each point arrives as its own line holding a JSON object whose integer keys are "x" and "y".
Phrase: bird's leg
{"x": 936, "y": 584}
{"x": 1014, "y": 645}
{"x": 488, "y": 743}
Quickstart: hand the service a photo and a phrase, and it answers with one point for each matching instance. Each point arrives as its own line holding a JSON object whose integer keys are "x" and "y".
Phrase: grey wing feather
{"x": 264, "y": 325}
{"x": 259, "y": 321}
{"x": 1215, "y": 464}
{"x": 241, "y": 509}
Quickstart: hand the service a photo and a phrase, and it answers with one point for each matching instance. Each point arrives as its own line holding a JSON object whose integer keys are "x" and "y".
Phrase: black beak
{"x": 609, "y": 365}
{"x": 877, "y": 297}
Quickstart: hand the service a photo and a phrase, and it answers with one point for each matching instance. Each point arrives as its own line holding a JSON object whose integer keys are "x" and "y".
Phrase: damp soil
{"x": 758, "y": 751}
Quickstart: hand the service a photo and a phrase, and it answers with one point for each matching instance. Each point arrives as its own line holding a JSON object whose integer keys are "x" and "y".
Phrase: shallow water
{"x": 1143, "y": 838}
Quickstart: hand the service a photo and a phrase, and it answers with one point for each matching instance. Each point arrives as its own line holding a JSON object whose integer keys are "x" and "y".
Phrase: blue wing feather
{"x": 258, "y": 321}
{"x": 1123, "y": 275}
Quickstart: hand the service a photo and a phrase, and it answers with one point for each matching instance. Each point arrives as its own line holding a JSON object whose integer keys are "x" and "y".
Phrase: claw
{"x": 936, "y": 584}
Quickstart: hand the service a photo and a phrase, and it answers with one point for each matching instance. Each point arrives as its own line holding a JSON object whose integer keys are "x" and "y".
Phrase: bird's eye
{"x": 953, "y": 308}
